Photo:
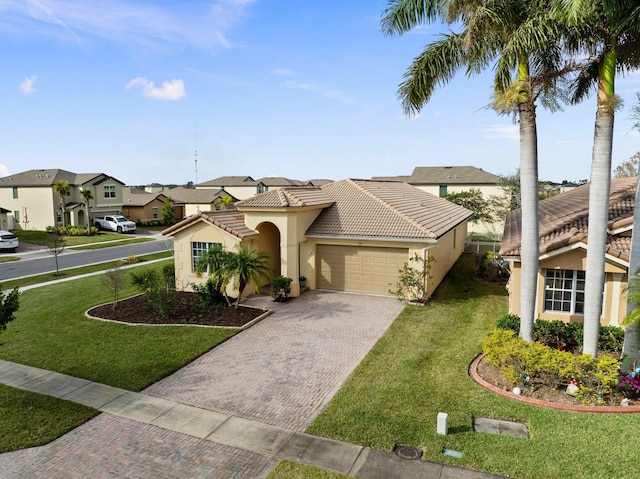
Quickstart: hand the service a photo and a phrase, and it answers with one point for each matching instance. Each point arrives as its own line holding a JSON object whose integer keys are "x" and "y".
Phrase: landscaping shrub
{"x": 158, "y": 288}
{"x": 489, "y": 267}
{"x": 280, "y": 287}
{"x": 567, "y": 336}
{"x": 209, "y": 295}
{"x": 523, "y": 363}
{"x": 72, "y": 230}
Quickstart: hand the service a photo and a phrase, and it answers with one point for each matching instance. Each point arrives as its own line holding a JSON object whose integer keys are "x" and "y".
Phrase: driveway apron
{"x": 282, "y": 371}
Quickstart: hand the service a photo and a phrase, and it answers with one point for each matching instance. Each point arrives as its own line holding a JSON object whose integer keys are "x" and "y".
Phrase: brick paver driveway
{"x": 282, "y": 372}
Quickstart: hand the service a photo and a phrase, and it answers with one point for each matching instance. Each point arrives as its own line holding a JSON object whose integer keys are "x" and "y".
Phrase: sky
{"x": 172, "y": 91}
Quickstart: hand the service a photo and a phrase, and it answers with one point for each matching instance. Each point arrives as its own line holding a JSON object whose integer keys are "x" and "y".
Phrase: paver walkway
{"x": 279, "y": 372}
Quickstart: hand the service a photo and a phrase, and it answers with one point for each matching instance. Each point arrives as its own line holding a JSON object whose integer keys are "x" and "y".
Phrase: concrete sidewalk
{"x": 271, "y": 442}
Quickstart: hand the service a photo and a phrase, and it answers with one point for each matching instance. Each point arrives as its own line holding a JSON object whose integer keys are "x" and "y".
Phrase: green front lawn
{"x": 52, "y": 332}
{"x": 419, "y": 368}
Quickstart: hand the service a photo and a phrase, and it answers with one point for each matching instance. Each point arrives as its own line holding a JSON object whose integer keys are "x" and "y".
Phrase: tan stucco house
{"x": 193, "y": 201}
{"x": 145, "y": 207}
{"x": 564, "y": 238}
{"x": 349, "y": 235}
{"x": 34, "y": 205}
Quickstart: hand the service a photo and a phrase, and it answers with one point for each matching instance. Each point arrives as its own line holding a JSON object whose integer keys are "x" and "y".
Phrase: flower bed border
{"x": 473, "y": 372}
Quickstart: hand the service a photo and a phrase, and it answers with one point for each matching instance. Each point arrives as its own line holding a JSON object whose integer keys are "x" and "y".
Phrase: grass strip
{"x": 66, "y": 273}
{"x": 28, "y": 419}
{"x": 419, "y": 368}
{"x": 7, "y": 259}
{"x": 42, "y": 238}
{"x": 119, "y": 242}
{"x": 293, "y": 470}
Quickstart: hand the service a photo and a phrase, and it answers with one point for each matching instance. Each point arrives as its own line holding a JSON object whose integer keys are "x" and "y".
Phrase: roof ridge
{"x": 390, "y": 207}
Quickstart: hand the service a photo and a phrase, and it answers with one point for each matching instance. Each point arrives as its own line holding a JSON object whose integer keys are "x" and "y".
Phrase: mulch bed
{"x": 138, "y": 310}
{"x": 540, "y": 392}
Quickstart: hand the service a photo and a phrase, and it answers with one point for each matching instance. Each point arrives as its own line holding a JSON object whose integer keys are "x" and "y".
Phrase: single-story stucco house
{"x": 349, "y": 235}
{"x": 564, "y": 238}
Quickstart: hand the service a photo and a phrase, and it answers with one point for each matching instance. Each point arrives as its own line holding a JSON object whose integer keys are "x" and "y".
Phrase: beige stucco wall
{"x": 292, "y": 225}
{"x": 240, "y": 192}
{"x": 615, "y": 296}
{"x": 200, "y": 231}
{"x": 35, "y": 206}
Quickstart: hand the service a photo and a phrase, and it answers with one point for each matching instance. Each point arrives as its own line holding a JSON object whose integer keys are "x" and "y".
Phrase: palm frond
{"x": 435, "y": 66}
{"x": 401, "y": 16}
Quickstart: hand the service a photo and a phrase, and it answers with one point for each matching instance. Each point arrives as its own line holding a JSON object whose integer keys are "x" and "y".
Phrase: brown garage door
{"x": 359, "y": 269}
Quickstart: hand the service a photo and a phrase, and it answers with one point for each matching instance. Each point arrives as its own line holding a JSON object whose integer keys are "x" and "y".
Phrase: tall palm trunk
{"x": 529, "y": 249}
{"x": 599, "y": 204}
{"x": 631, "y": 345}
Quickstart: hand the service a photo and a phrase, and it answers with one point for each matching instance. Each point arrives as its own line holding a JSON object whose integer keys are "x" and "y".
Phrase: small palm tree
{"x": 223, "y": 201}
{"x": 86, "y": 199}
{"x": 248, "y": 267}
{"x": 215, "y": 263}
{"x": 62, "y": 188}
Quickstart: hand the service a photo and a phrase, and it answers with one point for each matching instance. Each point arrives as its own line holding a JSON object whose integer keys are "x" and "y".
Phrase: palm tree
{"x": 631, "y": 345}
{"x": 62, "y": 188}
{"x": 87, "y": 196}
{"x": 215, "y": 262}
{"x": 248, "y": 267}
{"x": 609, "y": 33}
{"x": 223, "y": 201}
{"x": 506, "y": 30}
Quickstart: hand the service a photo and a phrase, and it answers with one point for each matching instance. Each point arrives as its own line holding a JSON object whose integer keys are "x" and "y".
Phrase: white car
{"x": 8, "y": 241}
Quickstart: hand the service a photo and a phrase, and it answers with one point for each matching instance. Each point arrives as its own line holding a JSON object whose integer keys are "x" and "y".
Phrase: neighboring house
{"x": 563, "y": 250}
{"x": 243, "y": 187}
{"x": 144, "y": 207}
{"x": 194, "y": 201}
{"x": 443, "y": 180}
{"x": 350, "y": 235}
{"x": 34, "y": 205}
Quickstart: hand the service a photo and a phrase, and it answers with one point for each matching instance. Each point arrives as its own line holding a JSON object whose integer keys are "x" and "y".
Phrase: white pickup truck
{"x": 115, "y": 223}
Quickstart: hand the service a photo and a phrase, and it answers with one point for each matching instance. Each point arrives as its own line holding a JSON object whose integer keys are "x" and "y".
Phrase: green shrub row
{"x": 531, "y": 364}
{"x": 72, "y": 230}
{"x": 568, "y": 336}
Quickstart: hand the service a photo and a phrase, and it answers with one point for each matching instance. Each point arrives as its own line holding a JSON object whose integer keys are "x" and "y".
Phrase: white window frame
{"x": 198, "y": 248}
{"x": 109, "y": 191}
{"x": 564, "y": 290}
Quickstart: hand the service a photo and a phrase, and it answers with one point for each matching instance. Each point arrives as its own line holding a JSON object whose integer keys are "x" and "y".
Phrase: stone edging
{"x": 473, "y": 372}
{"x": 253, "y": 322}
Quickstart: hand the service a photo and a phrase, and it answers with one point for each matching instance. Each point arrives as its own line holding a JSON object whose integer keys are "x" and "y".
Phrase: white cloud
{"x": 203, "y": 24}
{"x": 28, "y": 84}
{"x": 169, "y": 90}
{"x": 4, "y": 171}
{"x": 499, "y": 132}
{"x": 320, "y": 89}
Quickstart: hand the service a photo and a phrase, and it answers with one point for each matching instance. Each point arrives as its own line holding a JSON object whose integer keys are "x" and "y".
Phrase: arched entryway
{"x": 269, "y": 242}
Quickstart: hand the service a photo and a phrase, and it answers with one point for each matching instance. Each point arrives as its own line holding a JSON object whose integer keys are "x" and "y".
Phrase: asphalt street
{"x": 38, "y": 260}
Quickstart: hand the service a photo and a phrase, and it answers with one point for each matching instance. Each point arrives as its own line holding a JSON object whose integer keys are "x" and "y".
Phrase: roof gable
{"x": 297, "y": 197}
{"x": 230, "y": 181}
{"x": 48, "y": 177}
{"x": 231, "y": 221}
{"x": 181, "y": 194}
